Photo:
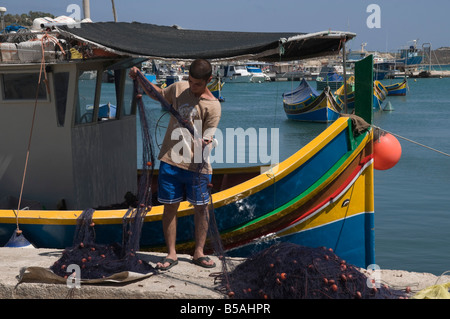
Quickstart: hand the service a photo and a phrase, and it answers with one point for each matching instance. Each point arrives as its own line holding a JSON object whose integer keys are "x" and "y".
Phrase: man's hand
{"x": 133, "y": 72}
{"x": 206, "y": 142}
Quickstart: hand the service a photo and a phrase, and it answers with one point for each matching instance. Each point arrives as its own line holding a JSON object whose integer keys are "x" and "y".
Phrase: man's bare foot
{"x": 167, "y": 263}
{"x": 204, "y": 262}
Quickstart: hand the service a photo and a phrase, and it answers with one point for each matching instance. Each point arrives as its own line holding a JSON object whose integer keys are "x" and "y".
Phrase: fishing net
{"x": 98, "y": 261}
{"x": 214, "y": 242}
{"x": 101, "y": 261}
{"x": 290, "y": 271}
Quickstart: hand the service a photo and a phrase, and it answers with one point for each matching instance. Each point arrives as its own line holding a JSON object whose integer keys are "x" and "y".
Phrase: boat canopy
{"x": 165, "y": 42}
{"x": 302, "y": 93}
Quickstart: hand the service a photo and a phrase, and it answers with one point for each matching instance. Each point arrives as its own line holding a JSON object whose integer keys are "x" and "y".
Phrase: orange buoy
{"x": 386, "y": 151}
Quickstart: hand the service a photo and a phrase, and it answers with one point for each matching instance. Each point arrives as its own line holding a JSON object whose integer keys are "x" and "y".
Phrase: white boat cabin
{"x": 82, "y": 151}
{"x": 236, "y": 73}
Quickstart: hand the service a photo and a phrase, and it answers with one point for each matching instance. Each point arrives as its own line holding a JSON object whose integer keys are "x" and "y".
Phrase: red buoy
{"x": 386, "y": 152}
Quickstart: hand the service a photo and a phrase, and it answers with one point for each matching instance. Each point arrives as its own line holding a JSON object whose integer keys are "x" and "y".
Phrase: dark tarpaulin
{"x": 149, "y": 40}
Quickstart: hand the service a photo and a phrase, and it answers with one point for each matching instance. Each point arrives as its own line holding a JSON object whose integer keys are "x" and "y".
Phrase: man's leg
{"x": 201, "y": 220}
{"x": 169, "y": 222}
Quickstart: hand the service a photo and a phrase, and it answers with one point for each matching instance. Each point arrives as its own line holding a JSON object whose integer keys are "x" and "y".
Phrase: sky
{"x": 387, "y": 27}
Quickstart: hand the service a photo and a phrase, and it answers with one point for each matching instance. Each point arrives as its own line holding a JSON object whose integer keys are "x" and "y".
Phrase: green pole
{"x": 364, "y": 89}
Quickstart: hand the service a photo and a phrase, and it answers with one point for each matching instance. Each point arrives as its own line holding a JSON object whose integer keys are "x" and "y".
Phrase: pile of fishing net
{"x": 290, "y": 271}
{"x": 97, "y": 261}
{"x": 101, "y": 261}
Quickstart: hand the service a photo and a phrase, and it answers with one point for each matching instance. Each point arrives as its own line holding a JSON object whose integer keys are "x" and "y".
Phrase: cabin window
{"x": 23, "y": 86}
{"x": 61, "y": 83}
{"x": 87, "y": 82}
{"x": 108, "y": 97}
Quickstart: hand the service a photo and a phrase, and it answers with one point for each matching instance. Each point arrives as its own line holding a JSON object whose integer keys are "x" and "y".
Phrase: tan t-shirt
{"x": 178, "y": 147}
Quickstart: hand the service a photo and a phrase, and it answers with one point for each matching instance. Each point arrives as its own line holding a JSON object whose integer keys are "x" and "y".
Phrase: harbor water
{"x": 412, "y": 199}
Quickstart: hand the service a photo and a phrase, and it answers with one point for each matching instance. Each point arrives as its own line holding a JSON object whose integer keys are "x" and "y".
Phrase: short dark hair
{"x": 200, "y": 69}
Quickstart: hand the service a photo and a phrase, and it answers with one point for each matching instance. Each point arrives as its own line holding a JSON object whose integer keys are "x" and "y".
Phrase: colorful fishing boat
{"x": 302, "y": 96}
{"x": 215, "y": 86}
{"x": 306, "y": 104}
{"x": 379, "y": 94}
{"x": 397, "y": 89}
{"x": 339, "y": 94}
{"x": 320, "y": 196}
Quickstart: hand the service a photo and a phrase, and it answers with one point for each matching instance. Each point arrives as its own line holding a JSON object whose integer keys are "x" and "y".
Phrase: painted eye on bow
{"x": 345, "y": 203}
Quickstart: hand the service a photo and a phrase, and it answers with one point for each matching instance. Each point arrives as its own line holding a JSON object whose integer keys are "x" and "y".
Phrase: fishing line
{"x": 414, "y": 142}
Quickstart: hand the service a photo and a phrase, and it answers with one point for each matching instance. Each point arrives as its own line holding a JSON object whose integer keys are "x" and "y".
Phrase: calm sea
{"x": 412, "y": 200}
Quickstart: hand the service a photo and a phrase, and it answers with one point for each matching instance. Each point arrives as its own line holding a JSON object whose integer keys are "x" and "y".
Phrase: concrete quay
{"x": 183, "y": 281}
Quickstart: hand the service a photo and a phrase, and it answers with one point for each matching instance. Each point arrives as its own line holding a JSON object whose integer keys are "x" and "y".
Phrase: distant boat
{"x": 410, "y": 55}
{"x": 258, "y": 76}
{"x": 173, "y": 77}
{"x": 106, "y": 111}
{"x": 379, "y": 94}
{"x": 167, "y": 73}
{"x": 215, "y": 86}
{"x": 329, "y": 77}
{"x": 339, "y": 94}
{"x": 236, "y": 74}
{"x": 306, "y": 104}
{"x": 397, "y": 89}
{"x": 381, "y": 66}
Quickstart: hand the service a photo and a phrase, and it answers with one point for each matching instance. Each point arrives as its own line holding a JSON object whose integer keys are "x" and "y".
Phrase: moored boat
{"x": 329, "y": 77}
{"x": 258, "y": 76}
{"x": 328, "y": 208}
{"x": 379, "y": 94}
{"x": 320, "y": 196}
{"x": 306, "y": 104}
{"x": 215, "y": 86}
{"x": 236, "y": 73}
{"x": 397, "y": 89}
{"x": 339, "y": 94}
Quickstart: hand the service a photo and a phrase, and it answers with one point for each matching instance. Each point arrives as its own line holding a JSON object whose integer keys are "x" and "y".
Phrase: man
{"x": 180, "y": 172}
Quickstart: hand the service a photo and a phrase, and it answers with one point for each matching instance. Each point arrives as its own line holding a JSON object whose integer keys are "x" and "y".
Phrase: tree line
{"x": 25, "y": 19}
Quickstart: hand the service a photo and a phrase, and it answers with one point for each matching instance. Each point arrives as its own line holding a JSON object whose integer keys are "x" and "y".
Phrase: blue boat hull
{"x": 340, "y": 236}
{"x": 321, "y": 115}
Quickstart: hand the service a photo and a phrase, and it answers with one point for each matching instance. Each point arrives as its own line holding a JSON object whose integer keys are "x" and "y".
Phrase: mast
{"x": 86, "y": 9}
{"x": 344, "y": 62}
{"x": 114, "y": 10}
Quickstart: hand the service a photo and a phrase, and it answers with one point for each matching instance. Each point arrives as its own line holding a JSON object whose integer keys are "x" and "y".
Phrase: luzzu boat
{"x": 215, "y": 86}
{"x": 320, "y": 196}
{"x": 340, "y": 94}
{"x": 397, "y": 89}
{"x": 379, "y": 94}
{"x": 306, "y": 104}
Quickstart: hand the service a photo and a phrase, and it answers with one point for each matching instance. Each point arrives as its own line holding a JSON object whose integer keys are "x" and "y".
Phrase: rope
{"x": 414, "y": 142}
{"x": 44, "y": 41}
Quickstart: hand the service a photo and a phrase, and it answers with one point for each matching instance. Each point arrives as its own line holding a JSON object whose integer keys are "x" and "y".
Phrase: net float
{"x": 386, "y": 151}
